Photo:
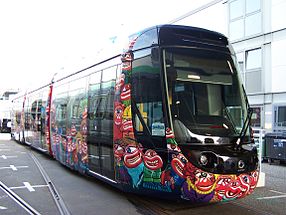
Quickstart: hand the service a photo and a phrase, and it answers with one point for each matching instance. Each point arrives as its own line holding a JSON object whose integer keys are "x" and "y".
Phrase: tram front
{"x": 208, "y": 109}
{"x": 209, "y": 116}
{"x": 188, "y": 117}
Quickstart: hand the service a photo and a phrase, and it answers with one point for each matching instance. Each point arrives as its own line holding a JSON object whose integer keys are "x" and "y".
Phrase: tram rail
{"x": 55, "y": 194}
{"x": 17, "y": 199}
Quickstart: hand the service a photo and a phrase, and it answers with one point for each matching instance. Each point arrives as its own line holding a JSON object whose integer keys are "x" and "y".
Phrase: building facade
{"x": 257, "y": 31}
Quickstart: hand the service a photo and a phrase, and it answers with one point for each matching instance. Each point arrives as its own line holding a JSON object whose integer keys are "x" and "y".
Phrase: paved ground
{"x": 84, "y": 195}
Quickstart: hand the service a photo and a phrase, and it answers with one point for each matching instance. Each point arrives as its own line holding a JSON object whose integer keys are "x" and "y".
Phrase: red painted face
{"x": 126, "y": 93}
{"x": 169, "y": 133}
{"x": 173, "y": 147}
{"x": 233, "y": 187}
{"x": 152, "y": 160}
{"x": 245, "y": 181}
{"x": 127, "y": 126}
{"x": 204, "y": 181}
{"x": 73, "y": 131}
{"x": 132, "y": 156}
{"x": 118, "y": 113}
{"x": 118, "y": 151}
{"x": 126, "y": 66}
{"x": 120, "y": 82}
{"x": 254, "y": 179}
{"x": 178, "y": 163}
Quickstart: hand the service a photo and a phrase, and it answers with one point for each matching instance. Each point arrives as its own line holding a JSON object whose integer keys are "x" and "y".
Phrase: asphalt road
{"x": 85, "y": 195}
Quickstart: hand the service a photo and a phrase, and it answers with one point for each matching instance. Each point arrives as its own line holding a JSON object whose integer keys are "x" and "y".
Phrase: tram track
{"x": 17, "y": 199}
{"x": 62, "y": 208}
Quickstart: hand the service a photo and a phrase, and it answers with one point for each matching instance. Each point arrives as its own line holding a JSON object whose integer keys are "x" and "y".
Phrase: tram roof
{"x": 165, "y": 35}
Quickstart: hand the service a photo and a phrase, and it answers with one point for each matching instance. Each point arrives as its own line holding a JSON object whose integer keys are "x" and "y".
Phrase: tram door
{"x": 100, "y": 122}
{"x": 38, "y": 126}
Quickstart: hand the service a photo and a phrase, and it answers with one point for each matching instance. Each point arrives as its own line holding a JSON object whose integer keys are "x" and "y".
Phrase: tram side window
{"x": 43, "y": 116}
{"x": 75, "y": 113}
{"x": 61, "y": 116}
{"x": 27, "y": 115}
{"x": 100, "y": 107}
{"x": 146, "y": 93}
{"x": 62, "y": 111}
{"x": 78, "y": 106}
{"x": 101, "y": 95}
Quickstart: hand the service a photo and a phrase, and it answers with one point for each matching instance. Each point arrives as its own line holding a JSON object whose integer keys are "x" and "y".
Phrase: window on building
{"x": 256, "y": 117}
{"x": 250, "y": 66}
{"x": 252, "y": 6}
{"x": 280, "y": 117}
{"x": 242, "y": 15}
{"x": 253, "y": 59}
{"x": 253, "y": 68}
{"x": 236, "y": 9}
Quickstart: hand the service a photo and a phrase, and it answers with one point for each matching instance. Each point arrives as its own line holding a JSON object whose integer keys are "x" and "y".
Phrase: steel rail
{"x": 19, "y": 200}
{"x": 56, "y": 196}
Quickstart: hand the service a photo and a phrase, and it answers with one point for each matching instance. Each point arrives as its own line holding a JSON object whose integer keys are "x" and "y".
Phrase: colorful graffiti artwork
{"x": 71, "y": 149}
{"x": 143, "y": 168}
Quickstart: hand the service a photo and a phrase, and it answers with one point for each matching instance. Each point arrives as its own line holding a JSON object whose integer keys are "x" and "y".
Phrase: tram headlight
{"x": 241, "y": 164}
{"x": 203, "y": 160}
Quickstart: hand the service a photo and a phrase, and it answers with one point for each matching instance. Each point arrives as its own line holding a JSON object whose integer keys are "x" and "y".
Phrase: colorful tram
{"x": 167, "y": 118}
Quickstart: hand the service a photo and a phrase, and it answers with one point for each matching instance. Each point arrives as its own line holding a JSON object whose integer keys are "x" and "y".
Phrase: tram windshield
{"x": 205, "y": 94}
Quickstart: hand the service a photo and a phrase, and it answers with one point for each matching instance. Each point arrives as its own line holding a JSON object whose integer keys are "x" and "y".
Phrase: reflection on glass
{"x": 204, "y": 93}
{"x": 253, "y": 59}
{"x": 253, "y": 24}
{"x": 252, "y": 6}
{"x": 236, "y": 30}
{"x": 236, "y": 9}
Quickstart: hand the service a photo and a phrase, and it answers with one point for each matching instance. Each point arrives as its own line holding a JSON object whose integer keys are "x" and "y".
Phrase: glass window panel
{"x": 253, "y": 81}
{"x": 109, "y": 74}
{"x": 252, "y": 6}
{"x": 256, "y": 117}
{"x": 236, "y": 9}
{"x": 77, "y": 86}
{"x": 95, "y": 78}
{"x": 253, "y": 59}
{"x": 236, "y": 29}
{"x": 94, "y": 81}
{"x": 253, "y": 24}
{"x": 281, "y": 116}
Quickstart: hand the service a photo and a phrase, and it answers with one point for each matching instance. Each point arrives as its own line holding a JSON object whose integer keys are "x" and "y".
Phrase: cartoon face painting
{"x": 73, "y": 131}
{"x": 126, "y": 93}
{"x": 118, "y": 113}
{"x": 232, "y": 187}
{"x": 132, "y": 156}
{"x": 118, "y": 151}
{"x": 152, "y": 160}
{"x": 203, "y": 181}
{"x": 120, "y": 82}
{"x": 178, "y": 163}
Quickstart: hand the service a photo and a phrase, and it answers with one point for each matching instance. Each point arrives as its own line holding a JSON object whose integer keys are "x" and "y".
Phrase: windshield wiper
{"x": 230, "y": 118}
{"x": 246, "y": 123}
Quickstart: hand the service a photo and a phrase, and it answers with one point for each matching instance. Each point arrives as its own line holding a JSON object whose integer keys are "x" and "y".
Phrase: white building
{"x": 257, "y": 31}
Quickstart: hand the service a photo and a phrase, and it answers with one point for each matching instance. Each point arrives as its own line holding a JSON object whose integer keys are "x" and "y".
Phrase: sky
{"x": 39, "y": 38}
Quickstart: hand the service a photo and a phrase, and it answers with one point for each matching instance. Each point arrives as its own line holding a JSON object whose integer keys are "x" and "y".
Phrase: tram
{"x": 167, "y": 118}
